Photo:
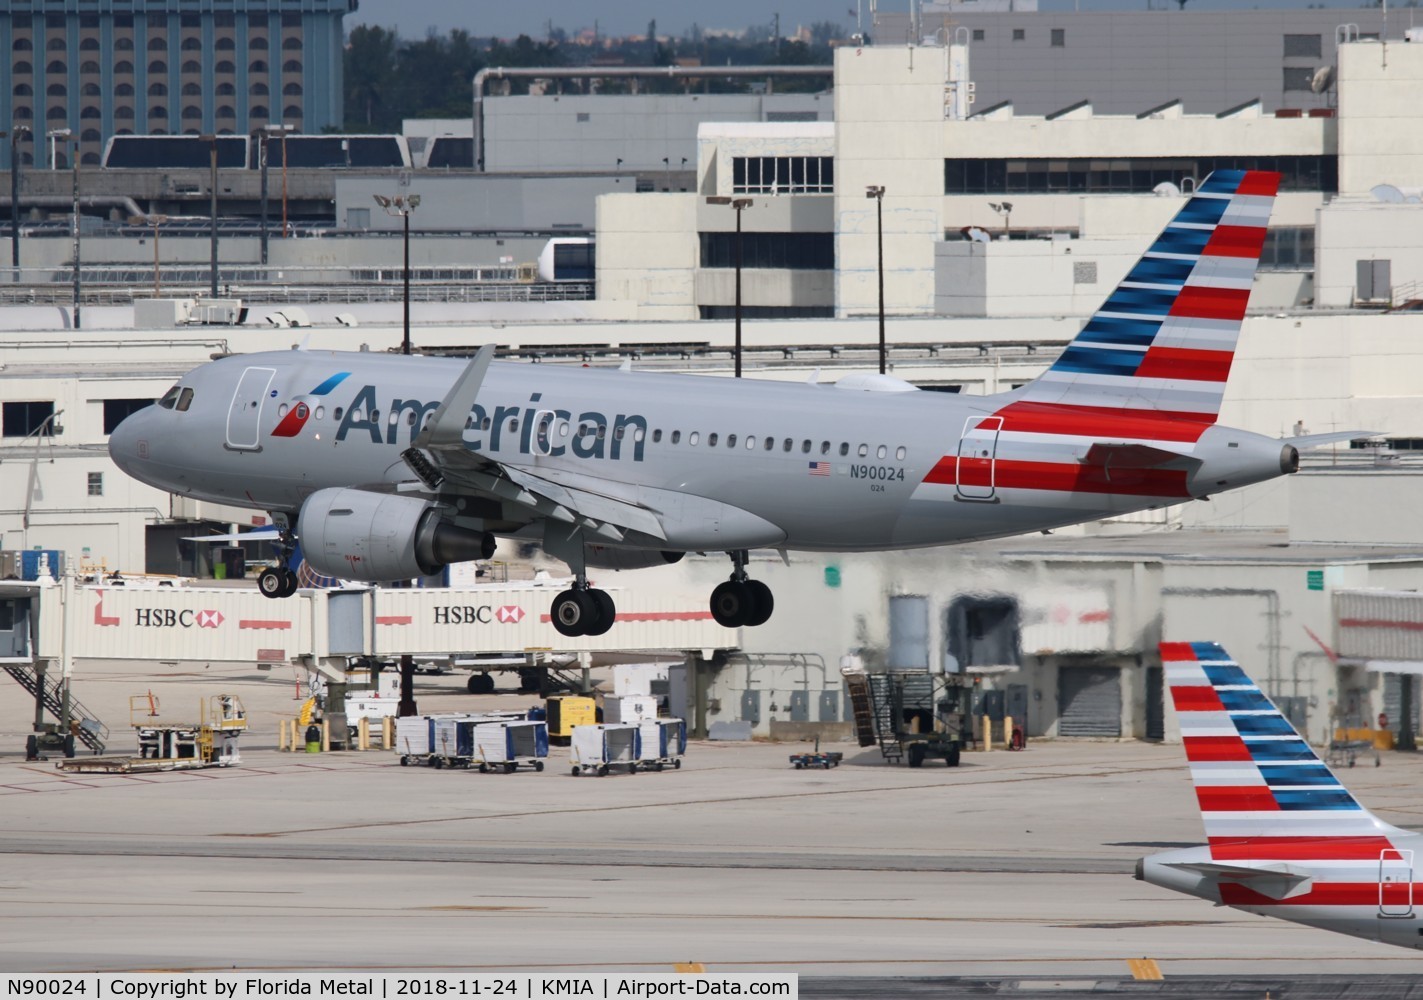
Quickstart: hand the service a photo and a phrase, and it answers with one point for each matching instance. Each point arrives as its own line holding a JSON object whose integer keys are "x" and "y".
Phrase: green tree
{"x": 370, "y": 79}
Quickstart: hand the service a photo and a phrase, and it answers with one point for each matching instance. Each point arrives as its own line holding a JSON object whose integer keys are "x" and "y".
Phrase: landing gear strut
{"x": 740, "y": 600}
{"x": 279, "y": 581}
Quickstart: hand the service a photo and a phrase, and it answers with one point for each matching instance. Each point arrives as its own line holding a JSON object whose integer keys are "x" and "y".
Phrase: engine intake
{"x": 377, "y": 537}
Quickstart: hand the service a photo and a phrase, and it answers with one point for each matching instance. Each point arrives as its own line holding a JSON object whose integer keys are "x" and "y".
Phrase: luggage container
{"x": 416, "y": 741}
{"x": 629, "y": 708}
{"x": 662, "y": 742}
{"x": 601, "y": 747}
{"x": 504, "y": 746}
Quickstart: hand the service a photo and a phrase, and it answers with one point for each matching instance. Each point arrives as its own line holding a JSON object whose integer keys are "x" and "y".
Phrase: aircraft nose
{"x": 128, "y": 443}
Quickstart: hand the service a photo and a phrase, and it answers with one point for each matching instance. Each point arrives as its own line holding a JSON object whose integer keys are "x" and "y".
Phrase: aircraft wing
{"x": 1306, "y": 441}
{"x": 255, "y": 535}
{"x": 439, "y": 458}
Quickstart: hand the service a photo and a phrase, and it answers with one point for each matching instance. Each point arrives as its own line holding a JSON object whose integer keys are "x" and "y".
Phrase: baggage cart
{"x": 415, "y": 739}
{"x": 663, "y": 742}
{"x": 506, "y": 746}
{"x": 601, "y": 747}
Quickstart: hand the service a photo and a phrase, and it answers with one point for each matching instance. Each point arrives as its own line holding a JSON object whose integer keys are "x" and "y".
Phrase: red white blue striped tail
{"x": 1263, "y": 791}
{"x": 1163, "y": 341}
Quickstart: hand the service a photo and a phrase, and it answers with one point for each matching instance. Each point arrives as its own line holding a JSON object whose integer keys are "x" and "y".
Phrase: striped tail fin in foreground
{"x": 1264, "y": 793}
{"x": 1161, "y": 345}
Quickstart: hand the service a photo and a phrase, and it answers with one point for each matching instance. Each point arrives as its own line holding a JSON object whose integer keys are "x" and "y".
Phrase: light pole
{"x": 265, "y": 134}
{"x": 55, "y": 134}
{"x": 738, "y": 204}
{"x": 402, "y": 205}
{"x": 1005, "y": 209}
{"x": 15, "y": 131}
{"x": 76, "y": 233}
{"x": 211, "y": 140}
{"x": 154, "y": 221}
{"x": 876, "y": 191}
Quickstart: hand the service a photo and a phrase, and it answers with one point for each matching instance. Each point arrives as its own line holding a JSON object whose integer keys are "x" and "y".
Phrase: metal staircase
{"x": 89, "y": 730}
{"x": 886, "y": 714}
{"x": 858, "y": 687}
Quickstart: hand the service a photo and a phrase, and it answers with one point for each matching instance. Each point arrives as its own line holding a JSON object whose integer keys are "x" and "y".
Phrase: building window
{"x": 1298, "y": 77}
{"x": 1058, "y": 38}
{"x": 226, "y": 111}
{"x": 89, "y": 45}
{"x": 224, "y": 90}
{"x": 190, "y": 20}
{"x": 56, "y": 90}
{"x": 123, "y": 45}
{"x": 157, "y": 90}
{"x": 157, "y": 44}
{"x": 57, "y": 112}
{"x": 158, "y": 66}
{"x": 1288, "y": 248}
{"x": 192, "y": 112}
{"x": 192, "y": 66}
{"x": 87, "y": 113}
{"x": 123, "y": 90}
{"x": 192, "y": 45}
{"x": 89, "y": 67}
{"x": 291, "y": 66}
{"x": 123, "y": 66}
{"x": 190, "y": 90}
{"x": 24, "y": 419}
{"x": 978, "y": 34}
{"x": 292, "y": 111}
{"x": 224, "y": 45}
{"x": 158, "y": 112}
{"x": 57, "y": 67}
{"x": 292, "y": 90}
{"x": 55, "y": 45}
{"x": 24, "y": 90}
{"x": 783, "y": 175}
{"x": 96, "y": 484}
{"x": 225, "y": 66}
{"x": 291, "y": 44}
{"x": 258, "y": 89}
{"x": 23, "y": 68}
{"x": 1137, "y": 175}
{"x": 257, "y": 66}
{"x": 22, "y": 45}
{"x": 257, "y": 43}
{"x": 1019, "y": 34}
{"x": 91, "y": 134}
{"x": 258, "y": 111}
{"x": 91, "y": 90}
{"x": 1304, "y": 46}
{"x": 793, "y": 251}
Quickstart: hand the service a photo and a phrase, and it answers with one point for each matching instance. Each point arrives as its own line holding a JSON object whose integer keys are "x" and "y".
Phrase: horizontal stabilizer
{"x": 1306, "y": 441}
{"x": 1133, "y": 456}
{"x": 1275, "y": 881}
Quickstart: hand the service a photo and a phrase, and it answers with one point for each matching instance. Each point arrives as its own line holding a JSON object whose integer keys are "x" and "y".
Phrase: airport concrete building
{"x": 158, "y": 68}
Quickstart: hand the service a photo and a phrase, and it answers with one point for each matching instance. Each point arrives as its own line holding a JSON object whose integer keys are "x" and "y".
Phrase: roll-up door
{"x": 1090, "y": 701}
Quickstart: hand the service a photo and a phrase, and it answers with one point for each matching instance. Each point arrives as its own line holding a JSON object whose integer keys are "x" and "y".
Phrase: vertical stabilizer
{"x": 1164, "y": 340}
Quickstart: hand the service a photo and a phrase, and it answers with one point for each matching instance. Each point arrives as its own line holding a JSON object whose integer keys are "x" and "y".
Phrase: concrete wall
{"x": 1380, "y": 141}
{"x": 647, "y": 253}
{"x": 1354, "y": 230}
{"x": 889, "y": 103}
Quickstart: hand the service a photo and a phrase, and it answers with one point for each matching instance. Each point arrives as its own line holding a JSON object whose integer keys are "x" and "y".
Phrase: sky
{"x": 508, "y": 18}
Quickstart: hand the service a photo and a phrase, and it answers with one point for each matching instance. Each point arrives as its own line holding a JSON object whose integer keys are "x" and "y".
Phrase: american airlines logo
{"x": 296, "y": 417}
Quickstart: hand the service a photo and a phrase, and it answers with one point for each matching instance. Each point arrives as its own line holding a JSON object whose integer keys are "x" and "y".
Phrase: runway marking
{"x": 1144, "y": 968}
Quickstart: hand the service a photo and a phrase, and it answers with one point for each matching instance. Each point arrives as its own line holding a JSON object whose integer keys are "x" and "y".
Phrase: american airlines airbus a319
{"x": 388, "y": 467}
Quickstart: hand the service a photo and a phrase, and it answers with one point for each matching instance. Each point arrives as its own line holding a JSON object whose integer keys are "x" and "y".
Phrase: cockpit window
{"x": 185, "y": 400}
{"x": 169, "y": 398}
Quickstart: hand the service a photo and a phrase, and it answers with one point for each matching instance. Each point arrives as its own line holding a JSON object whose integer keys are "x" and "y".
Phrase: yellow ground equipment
{"x": 567, "y": 711}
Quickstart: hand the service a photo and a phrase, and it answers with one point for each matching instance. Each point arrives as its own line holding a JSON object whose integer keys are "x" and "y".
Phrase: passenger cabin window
{"x": 676, "y": 437}
{"x": 693, "y": 437}
{"x": 899, "y": 453}
{"x": 731, "y": 440}
{"x": 844, "y": 448}
{"x": 185, "y": 400}
{"x": 711, "y": 440}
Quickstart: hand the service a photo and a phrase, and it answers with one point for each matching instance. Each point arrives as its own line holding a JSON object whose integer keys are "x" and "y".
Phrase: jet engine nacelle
{"x": 608, "y": 557}
{"x": 375, "y": 537}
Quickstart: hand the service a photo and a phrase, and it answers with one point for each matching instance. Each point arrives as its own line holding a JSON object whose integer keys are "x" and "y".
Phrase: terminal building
{"x": 1003, "y": 226}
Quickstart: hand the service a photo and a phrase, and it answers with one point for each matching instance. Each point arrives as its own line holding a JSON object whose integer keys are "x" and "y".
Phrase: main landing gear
{"x": 583, "y": 610}
{"x": 279, "y": 581}
{"x": 740, "y": 600}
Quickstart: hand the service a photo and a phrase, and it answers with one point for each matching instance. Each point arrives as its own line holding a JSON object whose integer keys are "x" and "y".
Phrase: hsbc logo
{"x": 170, "y": 618}
{"x": 509, "y": 614}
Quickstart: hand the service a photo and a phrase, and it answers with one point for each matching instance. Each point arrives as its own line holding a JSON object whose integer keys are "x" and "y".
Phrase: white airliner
{"x": 1286, "y": 839}
{"x": 389, "y": 467}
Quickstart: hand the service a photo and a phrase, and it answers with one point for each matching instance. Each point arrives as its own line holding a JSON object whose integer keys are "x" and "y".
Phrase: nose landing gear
{"x": 740, "y": 600}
